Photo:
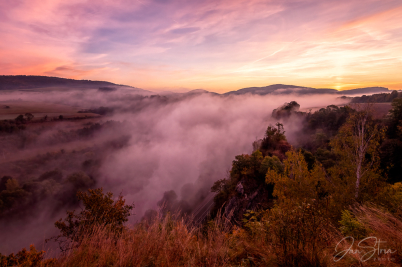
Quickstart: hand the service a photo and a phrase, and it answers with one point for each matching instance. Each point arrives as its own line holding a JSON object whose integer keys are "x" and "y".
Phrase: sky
{"x": 216, "y": 45}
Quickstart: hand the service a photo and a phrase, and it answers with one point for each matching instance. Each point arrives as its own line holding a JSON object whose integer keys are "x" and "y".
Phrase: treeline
{"x": 19, "y": 123}
{"x": 22, "y": 199}
{"x": 16, "y": 125}
{"x": 346, "y": 168}
{"x": 55, "y": 177}
{"x": 15, "y": 131}
{"x": 377, "y": 98}
{"x": 11, "y": 126}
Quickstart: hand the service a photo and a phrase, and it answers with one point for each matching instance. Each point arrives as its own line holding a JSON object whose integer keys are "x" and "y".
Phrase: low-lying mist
{"x": 144, "y": 147}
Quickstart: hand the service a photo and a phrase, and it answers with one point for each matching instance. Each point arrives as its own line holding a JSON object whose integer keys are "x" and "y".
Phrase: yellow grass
{"x": 169, "y": 242}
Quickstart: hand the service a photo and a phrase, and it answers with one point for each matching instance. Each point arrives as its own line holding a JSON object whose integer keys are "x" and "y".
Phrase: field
{"x": 11, "y": 109}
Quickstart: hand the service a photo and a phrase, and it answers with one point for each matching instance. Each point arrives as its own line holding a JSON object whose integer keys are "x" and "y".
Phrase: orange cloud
{"x": 375, "y": 20}
{"x": 218, "y": 45}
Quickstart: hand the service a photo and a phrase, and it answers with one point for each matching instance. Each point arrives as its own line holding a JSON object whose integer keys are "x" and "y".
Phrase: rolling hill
{"x": 25, "y": 82}
{"x": 21, "y": 82}
{"x": 292, "y": 89}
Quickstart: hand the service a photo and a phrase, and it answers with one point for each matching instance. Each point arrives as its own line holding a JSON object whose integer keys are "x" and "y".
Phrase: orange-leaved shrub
{"x": 26, "y": 258}
{"x": 99, "y": 210}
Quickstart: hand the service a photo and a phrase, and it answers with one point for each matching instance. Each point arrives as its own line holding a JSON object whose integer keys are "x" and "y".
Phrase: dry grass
{"x": 173, "y": 242}
{"x": 169, "y": 242}
{"x": 164, "y": 242}
{"x": 383, "y": 226}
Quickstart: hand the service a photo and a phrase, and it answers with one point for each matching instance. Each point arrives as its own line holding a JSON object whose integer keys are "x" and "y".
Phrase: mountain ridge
{"x": 293, "y": 89}
{"x": 19, "y": 82}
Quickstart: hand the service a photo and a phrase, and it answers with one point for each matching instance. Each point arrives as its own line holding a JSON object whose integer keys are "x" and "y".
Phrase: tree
{"x": 12, "y": 195}
{"x": 277, "y": 133}
{"x": 358, "y": 143}
{"x": 29, "y": 116}
{"x": 286, "y": 110}
{"x": 271, "y": 163}
{"x": 3, "y": 182}
{"x": 299, "y": 221}
{"x": 99, "y": 210}
{"x": 20, "y": 119}
{"x": 296, "y": 183}
{"x": 395, "y": 119}
{"x": 274, "y": 142}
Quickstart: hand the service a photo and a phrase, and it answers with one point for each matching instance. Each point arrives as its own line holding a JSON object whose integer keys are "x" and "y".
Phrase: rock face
{"x": 239, "y": 188}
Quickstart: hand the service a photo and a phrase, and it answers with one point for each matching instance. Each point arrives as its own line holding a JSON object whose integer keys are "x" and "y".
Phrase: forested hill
{"x": 292, "y": 89}
{"x": 377, "y": 98}
{"x": 10, "y": 82}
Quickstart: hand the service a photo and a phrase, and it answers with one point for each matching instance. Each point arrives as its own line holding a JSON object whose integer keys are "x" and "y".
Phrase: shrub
{"x": 350, "y": 226}
{"x": 25, "y": 258}
{"x": 99, "y": 210}
{"x": 300, "y": 233}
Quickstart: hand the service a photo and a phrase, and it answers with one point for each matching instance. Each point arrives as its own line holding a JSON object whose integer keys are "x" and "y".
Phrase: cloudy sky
{"x": 218, "y": 45}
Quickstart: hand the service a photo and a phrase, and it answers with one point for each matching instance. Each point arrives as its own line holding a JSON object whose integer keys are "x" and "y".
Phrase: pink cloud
{"x": 201, "y": 44}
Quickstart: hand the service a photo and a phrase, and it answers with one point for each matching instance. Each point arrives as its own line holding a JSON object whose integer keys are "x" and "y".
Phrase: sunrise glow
{"x": 213, "y": 45}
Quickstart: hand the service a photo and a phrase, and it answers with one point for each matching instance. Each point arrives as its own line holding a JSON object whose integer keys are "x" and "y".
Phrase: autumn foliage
{"x": 100, "y": 210}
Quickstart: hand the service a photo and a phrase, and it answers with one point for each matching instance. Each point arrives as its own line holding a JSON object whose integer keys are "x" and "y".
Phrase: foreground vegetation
{"x": 334, "y": 200}
{"x": 301, "y": 236}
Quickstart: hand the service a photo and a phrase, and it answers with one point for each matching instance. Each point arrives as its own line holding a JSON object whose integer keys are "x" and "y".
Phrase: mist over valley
{"x": 161, "y": 152}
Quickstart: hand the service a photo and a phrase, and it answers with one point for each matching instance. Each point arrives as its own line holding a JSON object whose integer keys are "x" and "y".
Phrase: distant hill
{"x": 366, "y": 90}
{"x": 292, "y": 89}
{"x": 377, "y": 98}
{"x": 20, "y": 82}
{"x": 200, "y": 92}
{"x": 16, "y": 82}
{"x": 279, "y": 89}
